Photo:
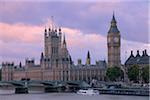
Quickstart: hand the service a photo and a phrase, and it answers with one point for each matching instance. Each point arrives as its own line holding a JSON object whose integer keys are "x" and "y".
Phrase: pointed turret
{"x": 60, "y": 32}
{"x": 45, "y": 32}
{"x": 113, "y": 19}
{"x": 64, "y": 50}
{"x": 42, "y": 55}
{"x": 49, "y": 30}
{"x": 113, "y": 27}
{"x": 64, "y": 42}
{"x": 20, "y": 65}
{"x": 88, "y": 55}
{"x": 88, "y": 59}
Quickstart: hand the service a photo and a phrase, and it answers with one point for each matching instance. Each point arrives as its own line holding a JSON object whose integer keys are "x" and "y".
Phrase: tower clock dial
{"x": 116, "y": 39}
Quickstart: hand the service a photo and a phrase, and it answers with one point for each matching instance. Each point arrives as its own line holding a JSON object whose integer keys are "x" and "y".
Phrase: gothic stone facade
{"x": 55, "y": 64}
{"x": 113, "y": 45}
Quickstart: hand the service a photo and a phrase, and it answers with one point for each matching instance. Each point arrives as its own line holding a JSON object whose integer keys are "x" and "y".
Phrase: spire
{"x": 113, "y": 18}
{"x": 64, "y": 41}
{"x": 88, "y": 59}
{"x": 42, "y": 55}
{"x": 64, "y": 45}
{"x": 45, "y": 30}
{"x": 20, "y": 65}
{"x": 113, "y": 27}
{"x": 88, "y": 55}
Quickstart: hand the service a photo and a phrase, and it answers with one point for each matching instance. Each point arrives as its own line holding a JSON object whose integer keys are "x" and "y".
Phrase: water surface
{"x": 38, "y": 95}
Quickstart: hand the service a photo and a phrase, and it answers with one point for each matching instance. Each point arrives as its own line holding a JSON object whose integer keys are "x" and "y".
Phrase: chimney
{"x": 146, "y": 53}
{"x": 143, "y": 54}
{"x": 137, "y": 55}
{"x": 132, "y": 54}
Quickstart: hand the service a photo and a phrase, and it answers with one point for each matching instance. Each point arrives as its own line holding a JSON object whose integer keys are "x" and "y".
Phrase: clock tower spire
{"x": 113, "y": 44}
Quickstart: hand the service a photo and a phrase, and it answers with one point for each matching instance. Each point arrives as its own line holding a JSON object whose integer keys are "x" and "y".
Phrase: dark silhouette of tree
{"x": 133, "y": 73}
{"x": 114, "y": 73}
{"x": 145, "y": 74}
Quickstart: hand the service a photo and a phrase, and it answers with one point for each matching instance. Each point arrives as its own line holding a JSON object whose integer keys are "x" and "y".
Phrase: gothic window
{"x": 56, "y": 62}
{"x": 67, "y": 59}
{"x": 63, "y": 59}
{"x": 67, "y": 75}
{"x": 63, "y": 75}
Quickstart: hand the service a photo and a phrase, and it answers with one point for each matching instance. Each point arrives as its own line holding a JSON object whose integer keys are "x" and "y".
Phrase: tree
{"x": 145, "y": 74}
{"x": 133, "y": 73}
{"x": 114, "y": 73}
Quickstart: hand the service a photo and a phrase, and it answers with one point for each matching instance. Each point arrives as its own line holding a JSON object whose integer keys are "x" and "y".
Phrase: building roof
{"x": 113, "y": 30}
{"x": 100, "y": 64}
{"x": 138, "y": 59}
{"x": 113, "y": 27}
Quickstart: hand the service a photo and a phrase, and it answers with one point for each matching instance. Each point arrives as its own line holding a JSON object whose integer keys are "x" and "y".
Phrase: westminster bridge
{"x": 23, "y": 86}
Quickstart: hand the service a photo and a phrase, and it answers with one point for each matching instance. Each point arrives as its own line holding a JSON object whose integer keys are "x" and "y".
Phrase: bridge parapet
{"x": 50, "y": 86}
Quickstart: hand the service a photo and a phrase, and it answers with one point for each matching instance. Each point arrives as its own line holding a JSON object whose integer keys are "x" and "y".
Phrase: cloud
{"x": 18, "y": 41}
{"x": 79, "y": 43}
{"x": 90, "y": 17}
{"x": 20, "y": 33}
{"x": 127, "y": 46}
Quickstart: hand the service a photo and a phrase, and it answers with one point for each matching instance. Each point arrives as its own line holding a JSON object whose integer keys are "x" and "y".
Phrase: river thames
{"x": 10, "y": 95}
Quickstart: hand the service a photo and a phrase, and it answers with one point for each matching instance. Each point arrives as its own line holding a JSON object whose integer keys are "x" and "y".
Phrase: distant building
{"x": 55, "y": 63}
{"x": 140, "y": 60}
{"x": 113, "y": 44}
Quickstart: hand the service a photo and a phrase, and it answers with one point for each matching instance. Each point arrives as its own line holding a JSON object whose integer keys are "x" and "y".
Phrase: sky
{"x": 85, "y": 25}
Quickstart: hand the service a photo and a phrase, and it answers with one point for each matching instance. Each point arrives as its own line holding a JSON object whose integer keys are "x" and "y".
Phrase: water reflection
{"x": 39, "y": 95}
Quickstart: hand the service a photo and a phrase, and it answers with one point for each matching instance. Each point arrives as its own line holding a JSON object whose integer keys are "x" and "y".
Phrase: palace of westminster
{"x": 56, "y": 62}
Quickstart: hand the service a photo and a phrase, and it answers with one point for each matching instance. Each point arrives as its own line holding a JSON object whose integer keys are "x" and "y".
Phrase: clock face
{"x": 116, "y": 39}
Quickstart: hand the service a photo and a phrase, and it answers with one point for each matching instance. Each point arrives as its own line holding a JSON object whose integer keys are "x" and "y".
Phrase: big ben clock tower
{"x": 113, "y": 44}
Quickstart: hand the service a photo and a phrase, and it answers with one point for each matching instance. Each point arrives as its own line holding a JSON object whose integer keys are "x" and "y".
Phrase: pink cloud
{"x": 79, "y": 43}
{"x": 20, "y": 33}
{"x": 21, "y": 40}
